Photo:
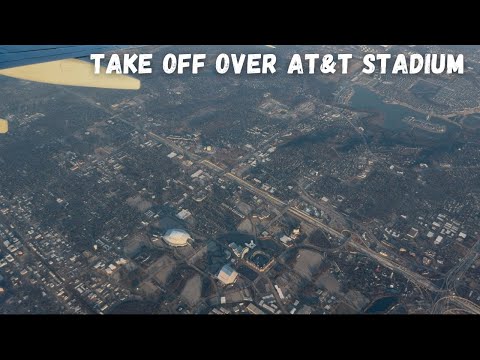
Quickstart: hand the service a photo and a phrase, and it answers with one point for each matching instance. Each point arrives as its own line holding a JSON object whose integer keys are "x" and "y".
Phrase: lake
{"x": 472, "y": 121}
{"x": 365, "y": 99}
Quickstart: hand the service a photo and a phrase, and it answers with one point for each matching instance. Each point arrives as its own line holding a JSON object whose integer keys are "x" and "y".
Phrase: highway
{"x": 465, "y": 304}
{"x": 385, "y": 261}
{"x": 417, "y": 279}
{"x": 457, "y": 300}
{"x": 298, "y": 213}
{"x": 457, "y": 273}
{"x": 388, "y": 263}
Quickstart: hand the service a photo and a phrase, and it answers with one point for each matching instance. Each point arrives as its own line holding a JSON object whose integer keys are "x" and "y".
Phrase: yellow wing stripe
{"x": 72, "y": 72}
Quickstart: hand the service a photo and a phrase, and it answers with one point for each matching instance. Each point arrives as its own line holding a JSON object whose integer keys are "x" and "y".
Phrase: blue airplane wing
{"x": 19, "y": 55}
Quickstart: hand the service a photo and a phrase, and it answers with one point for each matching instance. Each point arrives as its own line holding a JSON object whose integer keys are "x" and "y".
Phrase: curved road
{"x": 412, "y": 276}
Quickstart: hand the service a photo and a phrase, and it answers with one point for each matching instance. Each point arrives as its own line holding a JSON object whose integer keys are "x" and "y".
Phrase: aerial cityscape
{"x": 228, "y": 194}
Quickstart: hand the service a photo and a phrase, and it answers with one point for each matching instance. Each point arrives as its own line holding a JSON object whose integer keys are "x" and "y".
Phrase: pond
{"x": 382, "y": 305}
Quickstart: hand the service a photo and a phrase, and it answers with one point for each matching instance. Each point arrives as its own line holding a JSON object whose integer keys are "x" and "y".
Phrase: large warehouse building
{"x": 176, "y": 237}
{"x": 227, "y": 275}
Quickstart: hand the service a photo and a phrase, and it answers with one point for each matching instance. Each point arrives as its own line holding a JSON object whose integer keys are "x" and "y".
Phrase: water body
{"x": 472, "y": 121}
{"x": 382, "y": 305}
{"x": 365, "y": 99}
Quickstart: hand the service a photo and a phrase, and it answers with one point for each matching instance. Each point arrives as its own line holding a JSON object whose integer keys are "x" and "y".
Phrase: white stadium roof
{"x": 176, "y": 237}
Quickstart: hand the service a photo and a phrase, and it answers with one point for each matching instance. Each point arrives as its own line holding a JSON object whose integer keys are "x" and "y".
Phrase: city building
{"x": 227, "y": 275}
{"x": 239, "y": 251}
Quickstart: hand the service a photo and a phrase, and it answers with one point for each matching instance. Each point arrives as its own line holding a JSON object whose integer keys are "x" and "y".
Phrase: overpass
{"x": 385, "y": 261}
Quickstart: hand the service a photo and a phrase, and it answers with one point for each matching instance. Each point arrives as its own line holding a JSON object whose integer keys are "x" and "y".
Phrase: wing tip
{"x": 3, "y": 126}
{"x": 137, "y": 85}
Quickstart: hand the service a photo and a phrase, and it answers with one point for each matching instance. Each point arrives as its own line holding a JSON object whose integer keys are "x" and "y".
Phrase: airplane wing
{"x": 61, "y": 65}
{"x": 20, "y": 55}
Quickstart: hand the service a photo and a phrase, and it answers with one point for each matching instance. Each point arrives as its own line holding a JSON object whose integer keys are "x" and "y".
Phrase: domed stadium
{"x": 176, "y": 237}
